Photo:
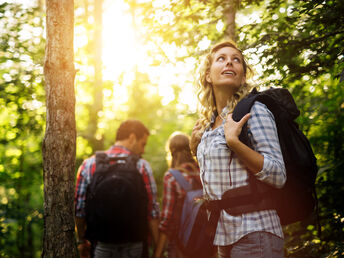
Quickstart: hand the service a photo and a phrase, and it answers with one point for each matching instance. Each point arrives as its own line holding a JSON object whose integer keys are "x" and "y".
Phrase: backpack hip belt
{"x": 254, "y": 196}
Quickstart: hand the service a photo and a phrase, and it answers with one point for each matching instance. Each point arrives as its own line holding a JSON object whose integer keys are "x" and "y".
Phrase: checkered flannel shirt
{"x": 213, "y": 157}
{"x": 173, "y": 198}
{"x": 87, "y": 169}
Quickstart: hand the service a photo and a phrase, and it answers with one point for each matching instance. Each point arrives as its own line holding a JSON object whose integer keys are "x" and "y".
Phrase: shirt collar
{"x": 224, "y": 111}
{"x": 116, "y": 147}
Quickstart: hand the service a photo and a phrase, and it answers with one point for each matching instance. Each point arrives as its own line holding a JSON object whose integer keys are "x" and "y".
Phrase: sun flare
{"x": 123, "y": 52}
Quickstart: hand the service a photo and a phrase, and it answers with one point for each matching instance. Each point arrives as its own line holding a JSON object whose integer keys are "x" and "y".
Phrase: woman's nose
{"x": 229, "y": 62}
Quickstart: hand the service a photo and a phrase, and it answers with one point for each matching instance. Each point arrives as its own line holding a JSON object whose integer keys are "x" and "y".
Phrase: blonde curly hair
{"x": 205, "y": 92}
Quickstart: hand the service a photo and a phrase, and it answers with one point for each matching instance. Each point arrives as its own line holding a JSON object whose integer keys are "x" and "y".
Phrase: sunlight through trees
{"x": 139, "y": 59}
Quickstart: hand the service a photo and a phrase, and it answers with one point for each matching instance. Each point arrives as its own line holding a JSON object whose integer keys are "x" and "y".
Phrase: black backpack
{"x": 297, "y": 199}
{"x": 116, "y": 201}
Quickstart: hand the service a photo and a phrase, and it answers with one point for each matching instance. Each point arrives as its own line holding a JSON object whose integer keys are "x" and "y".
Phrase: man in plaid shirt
{"x": 131, "y": 138}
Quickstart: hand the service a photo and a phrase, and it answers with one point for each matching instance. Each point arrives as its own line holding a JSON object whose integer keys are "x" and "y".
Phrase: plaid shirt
{"x": 173, "y": 199}
{"x": 88, "y": 167}
{"x": 213, "y": 157}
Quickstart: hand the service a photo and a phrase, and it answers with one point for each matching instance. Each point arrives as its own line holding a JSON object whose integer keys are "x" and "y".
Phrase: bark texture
{"x": 230, "y": 14}
{"x": 59, "y": 143}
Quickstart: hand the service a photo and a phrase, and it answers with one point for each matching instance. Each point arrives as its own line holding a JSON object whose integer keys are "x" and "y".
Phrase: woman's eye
{"x": 221, "y": 58}
{"x": 237, "y": 59}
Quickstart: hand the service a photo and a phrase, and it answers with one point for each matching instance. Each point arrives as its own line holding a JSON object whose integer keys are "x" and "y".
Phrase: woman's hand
{"x": 252, "y": 159}
{"x": 233, "y": 129}
{"x": 196, "y": 137}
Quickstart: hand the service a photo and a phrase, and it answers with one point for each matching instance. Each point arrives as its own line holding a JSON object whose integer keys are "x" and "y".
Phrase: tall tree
{"x": 59, "y": 143}
{"x": 229, "y": 16}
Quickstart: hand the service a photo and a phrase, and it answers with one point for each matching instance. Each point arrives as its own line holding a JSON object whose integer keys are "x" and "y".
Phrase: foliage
{"x": 161, "y": 120}
{"x": 293, "y": 44}
{"x": 86, "y": 59}
{"x": 21, "y": 127}
{"x": 303, "y": 38}
{"x": 143, "y": 103}
{"x": 192, "y": 24}
{"x": 300, "y": 47}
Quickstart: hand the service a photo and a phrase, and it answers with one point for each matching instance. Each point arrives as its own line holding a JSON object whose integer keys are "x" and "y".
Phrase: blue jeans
{"x": 128, "y": 250}
{"x": 257, "y": 244}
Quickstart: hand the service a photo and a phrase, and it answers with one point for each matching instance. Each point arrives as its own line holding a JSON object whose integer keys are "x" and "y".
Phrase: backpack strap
{"x": 102, "y": 162}
{"x": 181, "y": 180}
{"x": 242, "y": 108}
{"x": 256, "y": 195}
{"x": 268, "y": 98}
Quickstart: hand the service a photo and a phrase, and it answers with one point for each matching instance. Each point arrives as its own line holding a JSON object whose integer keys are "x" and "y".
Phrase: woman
{"x": 225, "y": 162}
{"x": 174, "y": 195}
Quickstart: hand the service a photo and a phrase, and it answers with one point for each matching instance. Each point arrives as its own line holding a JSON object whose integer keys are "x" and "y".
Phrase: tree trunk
{"x": 59, "y": 142}
{"x": 230, "y": 13}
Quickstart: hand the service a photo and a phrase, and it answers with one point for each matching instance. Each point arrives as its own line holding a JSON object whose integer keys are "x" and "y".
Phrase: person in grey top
{"x": 225, "y": 162}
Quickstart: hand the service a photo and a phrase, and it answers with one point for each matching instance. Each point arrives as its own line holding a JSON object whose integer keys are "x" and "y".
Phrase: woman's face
{"x": 227, "y": 68}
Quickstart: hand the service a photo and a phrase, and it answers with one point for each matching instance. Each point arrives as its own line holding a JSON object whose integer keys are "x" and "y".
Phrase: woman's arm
{"x": 252, "y": 159}
{"x": 266, "y": 161}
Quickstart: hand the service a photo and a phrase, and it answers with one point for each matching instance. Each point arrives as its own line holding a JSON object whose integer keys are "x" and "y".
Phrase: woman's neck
{"x": 222, "y": 96}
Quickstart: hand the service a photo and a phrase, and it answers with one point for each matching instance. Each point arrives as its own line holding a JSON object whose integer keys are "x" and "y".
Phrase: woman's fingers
{"x": 233, "y": 129}
{"x": 242, "y": 121}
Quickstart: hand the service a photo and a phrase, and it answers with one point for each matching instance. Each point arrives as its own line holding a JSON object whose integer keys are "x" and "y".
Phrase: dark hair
{"x": 131, "y": 126}
{"x": 179, "y": 147}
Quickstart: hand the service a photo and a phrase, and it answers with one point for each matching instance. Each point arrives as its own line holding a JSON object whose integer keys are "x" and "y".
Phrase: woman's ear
{"x": 207, "y": 77}
{"x": 243, "y": 80}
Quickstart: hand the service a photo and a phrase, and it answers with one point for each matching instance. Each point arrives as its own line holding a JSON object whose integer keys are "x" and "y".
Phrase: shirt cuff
{"x": 263, "y": 174}
{"x": 272, "y": 173}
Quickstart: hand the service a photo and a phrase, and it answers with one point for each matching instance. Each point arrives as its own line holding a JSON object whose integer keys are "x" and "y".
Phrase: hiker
{"x": 226, "y": 163}
{"x": 131, "y": 138}
{"x": 173, "y": 196}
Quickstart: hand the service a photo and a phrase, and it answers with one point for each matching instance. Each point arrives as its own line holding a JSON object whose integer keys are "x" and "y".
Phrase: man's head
{"x": 133, "y": 135}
